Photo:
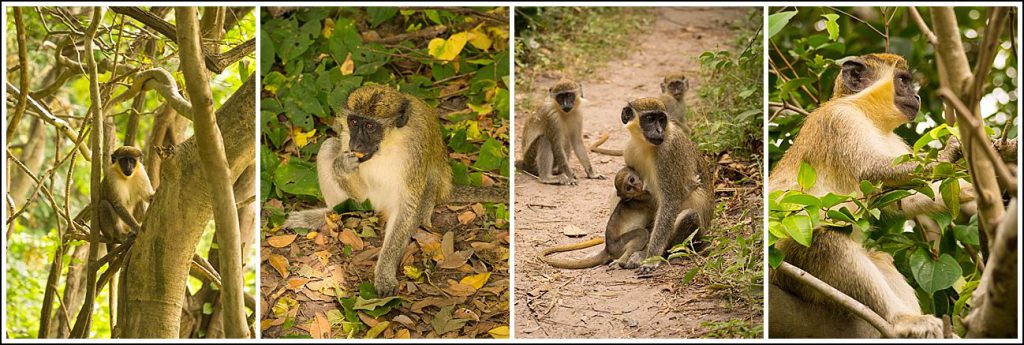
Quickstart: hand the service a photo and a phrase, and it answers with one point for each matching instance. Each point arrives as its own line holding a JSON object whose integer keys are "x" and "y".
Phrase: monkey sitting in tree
{"x": 126, "y": 192}
{"x": 627, "y": 231}
{"x": 848, "y": 139}
{"x": 550, "y": 134}
{"x": 389, "y": 151}
{"x": 674, "y": 172}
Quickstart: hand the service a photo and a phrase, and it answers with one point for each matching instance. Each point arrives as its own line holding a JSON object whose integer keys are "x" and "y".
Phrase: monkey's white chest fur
{"x": 384, "y": 175}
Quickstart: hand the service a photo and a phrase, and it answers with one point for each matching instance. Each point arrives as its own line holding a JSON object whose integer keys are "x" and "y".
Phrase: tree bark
{"x": 994, "y": 313}
{"x": 19, "y": 111}
{"x": 215, "y": 167}
{"x": 84, "y": 320}
{"x": 181, "y": 209}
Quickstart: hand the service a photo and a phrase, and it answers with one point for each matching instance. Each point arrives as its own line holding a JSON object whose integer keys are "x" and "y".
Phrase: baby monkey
{"x": 627, "y": 231}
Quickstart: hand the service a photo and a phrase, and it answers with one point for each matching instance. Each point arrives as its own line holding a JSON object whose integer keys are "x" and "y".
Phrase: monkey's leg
{"x": 399, "y": 230}
{"x": 634, "y": 245}
{"x": 116, "y": 210}
{"x": 545, "y": 160}
{"x": 664, "y": 230}
{"x": 844, "y": 264}
{"x": 581, "y": 154}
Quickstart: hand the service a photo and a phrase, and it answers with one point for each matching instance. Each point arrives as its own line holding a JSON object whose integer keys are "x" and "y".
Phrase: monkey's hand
{"x": 917, "y": 326}
{"x": 594, "y": 176}
{"x": 346, "y": 163}
{"x": 951, "y": 152}
{"x": 647, "y": 269}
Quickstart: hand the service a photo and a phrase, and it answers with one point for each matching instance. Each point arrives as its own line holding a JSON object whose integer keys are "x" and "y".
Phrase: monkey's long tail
{"x": 473, "y": 194}
{"x": 600, "y": 258}
{"x": 314, "y": 219}
{"x": 595, "y": 147}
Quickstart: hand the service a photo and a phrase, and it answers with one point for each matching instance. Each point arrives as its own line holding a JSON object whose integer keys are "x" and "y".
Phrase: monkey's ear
{"x": 854, "y": 73}
{"x": 403, "y": 114}
{"x": 627, "y": 114}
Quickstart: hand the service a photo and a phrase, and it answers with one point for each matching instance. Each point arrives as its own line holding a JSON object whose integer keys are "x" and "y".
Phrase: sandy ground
{"x": 605, "y": 302}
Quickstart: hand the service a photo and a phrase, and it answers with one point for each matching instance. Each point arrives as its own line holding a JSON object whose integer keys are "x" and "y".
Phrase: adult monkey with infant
{"x": 389, "y": 151}
{"x": 675, "y": 173}
{"x": 848, "y": 139}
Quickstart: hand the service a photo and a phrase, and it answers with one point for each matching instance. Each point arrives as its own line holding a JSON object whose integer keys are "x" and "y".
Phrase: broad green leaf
{"x": 297, "y": 177}
{"x": 798, "y": 227}
{"x": 806, "y": 177}
{"x": 966, "y": 234}
{"x": 490, "y": 156}
{"x": 950, "y": 191}
{"x": 867, "y": 187}
{"x": 778, "y": 21}
{"x": 832, "y": 26}
{"x": 775, "y": 257}
{"x": 934, "y": 275}
{"x": 802, "y": 199}
{"x": 830, "y": 200}
{"x": 379, "y": 15}
{"x": 889, "y": 197}
{"x": 350, "y": 205}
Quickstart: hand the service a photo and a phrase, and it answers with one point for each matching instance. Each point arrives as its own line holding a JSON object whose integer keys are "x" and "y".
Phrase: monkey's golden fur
{"x": 551, "y": 134}
{"x": 675, "y": 103}
{"x": 848, "y": 139}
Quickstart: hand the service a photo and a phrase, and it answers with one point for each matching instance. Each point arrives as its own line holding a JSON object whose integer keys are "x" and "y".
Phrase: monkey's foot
{"x": 386, "y": 286}
{"x": 917, "y": 326}
{"x": 596, "y": 177}
{"x": 647, "y": 269}
{"x": 634, "y": 261}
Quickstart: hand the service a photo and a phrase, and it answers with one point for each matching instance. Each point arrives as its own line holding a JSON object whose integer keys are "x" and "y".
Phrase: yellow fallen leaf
{"x": 311, "y": 235}
{"x": 483, "y": 109}
{"x": 403, "y": 334}
{"x": 479, "y": 39}
{"x": 280, "y": 263}
{"x": 447, "y": 50}
{"x": 328, "y": 29}
{"x": 348, "y": 66}
{"x": 374, "y": 331}
{"x": 500, "y": 332}
{"x": 281, "y": 241}
{"x": 477, "y": 281}
{"x": 319, "y": 328}
{"x": 349, "y": 237}
{"x": 302, "y": 138}
{"x": 412, "y": 272}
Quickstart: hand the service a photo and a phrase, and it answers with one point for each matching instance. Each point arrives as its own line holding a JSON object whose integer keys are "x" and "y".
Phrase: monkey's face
{"x": 859, "y": 73}
{"x": 373, "y": 111}
{"x": 365, "y": 133}
{"x": 566, "y": 100}
{"x": 629, "y": 185}
{"x": 125, "y": 164}
{"x": 675, "y": 87}
{"x": 651, "y": 123}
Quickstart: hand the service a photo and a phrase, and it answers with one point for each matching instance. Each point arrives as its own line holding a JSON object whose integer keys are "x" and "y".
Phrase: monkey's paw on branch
{"x": 917, "y": 326}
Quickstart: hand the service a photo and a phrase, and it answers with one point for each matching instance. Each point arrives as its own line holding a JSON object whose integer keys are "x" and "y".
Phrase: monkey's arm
{"x": 121, "y": 212}
{"x": 581, "y": 153}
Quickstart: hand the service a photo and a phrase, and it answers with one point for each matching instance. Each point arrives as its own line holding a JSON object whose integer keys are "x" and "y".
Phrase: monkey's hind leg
{"x": 398, "y": 231}
{"x": 633, "y": 245}
{"x": 546, "y": 157}
{"x": 844, "y": 264}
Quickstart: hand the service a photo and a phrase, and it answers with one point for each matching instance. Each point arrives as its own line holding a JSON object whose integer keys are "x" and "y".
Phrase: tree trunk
{"x": 181, "y": 209}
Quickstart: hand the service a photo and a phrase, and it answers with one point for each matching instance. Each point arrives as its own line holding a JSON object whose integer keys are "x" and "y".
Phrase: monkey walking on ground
{"x": 674, "y": 172}
{"x": 550, "y": 134}
{"x": 627, "y": 230}
{"x": 673, "y": 94}
{"x": 389, "y": 151}
{"x": 848, "y": 139}
{"x": 126, "y": 192}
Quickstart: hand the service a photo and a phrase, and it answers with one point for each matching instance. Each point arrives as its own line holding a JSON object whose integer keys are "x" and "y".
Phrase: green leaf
{"x": 950, "y": 191}
{"x": 934, "y": 275}
{"x": 801, "y": 199}
{"x": 690, "y": 274}
{"x": 207, "y": 308}
{"x": 350, "y": 205}
{"x": 806, "y": 177}
{"x": 837, "y": 215}
{"x": 778, "y": 21}
{"x": 888, "y": 198}
{"x": 867, "y": 187}
{"x": 775, "y": 257}
{"x": 966, "y": 234}
{"x": 297, "y": 177}
{"x": 798, "y": 227}
{"x": 792, "y": 85}
{"x": 832, "y": 26}
{"x": 831, "y": 199}
{"x": 490, "y": 155}
{"x": 379, "y": 15}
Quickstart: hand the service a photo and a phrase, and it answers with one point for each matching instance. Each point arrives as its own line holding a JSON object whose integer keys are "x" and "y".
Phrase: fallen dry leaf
{"x": 573, "y": 231}
{"x": 319, "y": 328}
{"x": 500, "y": 332}
{"x": 477, "y": 281}
{"x": 349, "y": 237}
{"x": 467, "y": 217}
{"x": 295, "y": 284}
{"x": 281, "y": 241}
{"x": 280, "y": 263}
{"x": 348, "y": 66}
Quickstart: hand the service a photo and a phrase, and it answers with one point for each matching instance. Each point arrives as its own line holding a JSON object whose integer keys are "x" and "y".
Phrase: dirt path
{"x": 603, "y": 302}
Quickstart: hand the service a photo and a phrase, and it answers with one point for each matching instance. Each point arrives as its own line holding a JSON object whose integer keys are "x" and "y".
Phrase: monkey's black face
{"x": 126, "y": 164}
{"x": 653, "y": 124}
{"x": 677, "y": 88}
{"x": 907, "y": 99}
{"x": 566, "y": 100}
{"x": 365, "y": 135}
